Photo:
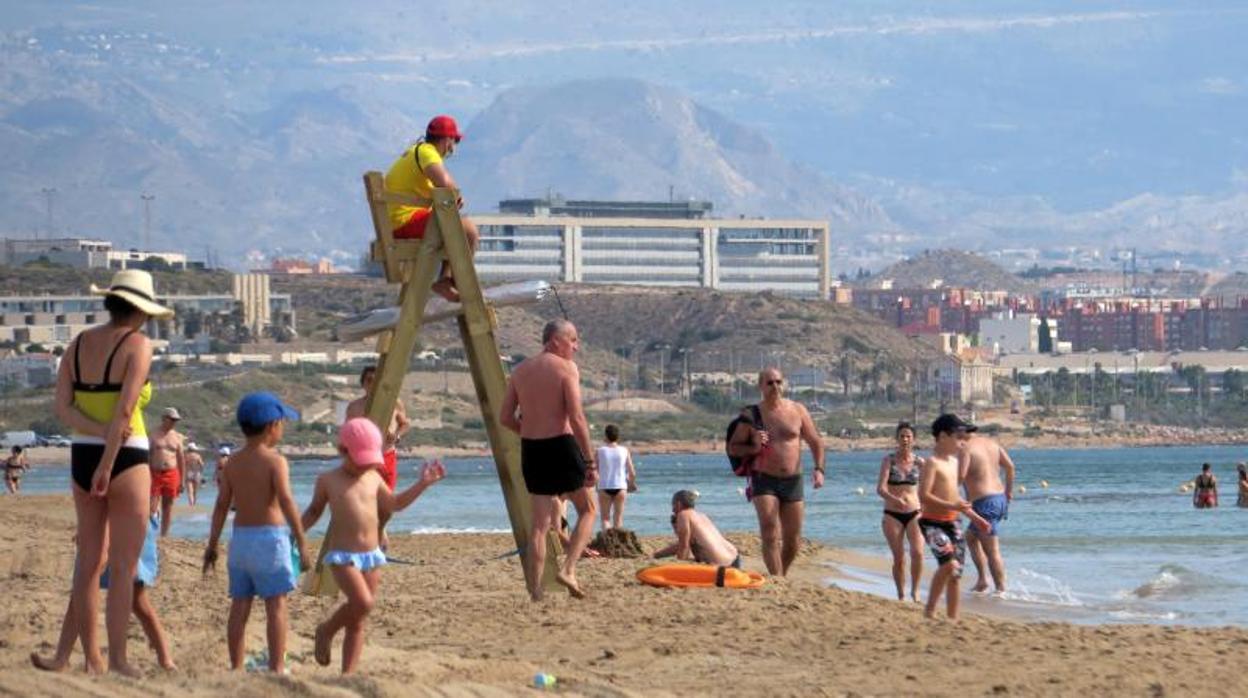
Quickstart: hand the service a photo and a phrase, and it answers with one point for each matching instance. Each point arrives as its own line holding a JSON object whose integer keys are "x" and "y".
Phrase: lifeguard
{"x": 416, "y": 173}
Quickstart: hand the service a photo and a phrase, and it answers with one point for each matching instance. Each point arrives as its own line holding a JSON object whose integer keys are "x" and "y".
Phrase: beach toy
{"x": 688, "y": 574}
{"x": 1044, "y": 484}
{"x": 543, "y": 680}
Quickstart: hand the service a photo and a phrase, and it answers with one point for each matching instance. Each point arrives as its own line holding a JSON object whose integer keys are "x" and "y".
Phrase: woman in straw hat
{"x": 101, "y": 389}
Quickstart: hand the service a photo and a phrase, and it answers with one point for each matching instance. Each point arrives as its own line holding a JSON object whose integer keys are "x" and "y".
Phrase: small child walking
{"x": 257, "y": 485}
{"x": 357, "y": 498}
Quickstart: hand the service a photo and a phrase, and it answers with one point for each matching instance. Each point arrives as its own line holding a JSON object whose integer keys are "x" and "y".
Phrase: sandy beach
{"x": 456, "y": 622}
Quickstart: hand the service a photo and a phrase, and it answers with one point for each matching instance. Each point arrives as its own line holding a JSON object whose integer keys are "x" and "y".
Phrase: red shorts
{"x": 414, "y": 228}
{"x": 165, "y": 483}
{"x": 390, "y": 468}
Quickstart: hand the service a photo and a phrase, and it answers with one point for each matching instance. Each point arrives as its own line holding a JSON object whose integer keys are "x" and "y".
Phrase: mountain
{"x": 627, "y": 139}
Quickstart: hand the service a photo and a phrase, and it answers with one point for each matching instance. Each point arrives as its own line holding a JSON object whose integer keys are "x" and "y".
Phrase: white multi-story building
{"x": 82, "y": 253}
{"x": 786, "y": 256}
{"x": 1014, "y": 333}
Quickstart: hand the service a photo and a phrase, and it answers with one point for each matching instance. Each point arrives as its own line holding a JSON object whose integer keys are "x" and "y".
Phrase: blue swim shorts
{"x": 362, "y": 561}
{"x": 149, "y": 558}
{"x": 259, "y": 562}
{"x": 995, "y": 508}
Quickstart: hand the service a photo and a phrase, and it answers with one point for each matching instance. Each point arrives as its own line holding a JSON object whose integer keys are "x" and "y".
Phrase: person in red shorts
{"x": 416, "y": 173}
{"x": 168, "y": 462}
{"x": 399, "y": 424}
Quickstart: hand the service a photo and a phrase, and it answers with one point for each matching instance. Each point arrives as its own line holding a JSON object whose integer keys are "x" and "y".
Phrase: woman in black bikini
{"x": 899, "y": 488}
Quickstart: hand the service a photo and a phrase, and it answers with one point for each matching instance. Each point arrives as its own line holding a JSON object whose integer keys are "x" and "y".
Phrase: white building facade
{"x": 789, "y": 257}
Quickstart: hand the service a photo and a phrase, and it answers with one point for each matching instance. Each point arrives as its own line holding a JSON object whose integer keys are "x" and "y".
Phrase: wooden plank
{"x": 374, "y": 190}
{"x": 489, "y": 378}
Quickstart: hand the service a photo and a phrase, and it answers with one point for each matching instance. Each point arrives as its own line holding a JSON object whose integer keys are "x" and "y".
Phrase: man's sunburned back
{"x": 539, "y": 382}
{"x": 353, "y": 505}
{"x": 712, "y": 547}
{"x": 783, "y": 454}
{"x": 983, "y": 473}
{"x": 252, "y": 477}
{"x": 944, "y": 485}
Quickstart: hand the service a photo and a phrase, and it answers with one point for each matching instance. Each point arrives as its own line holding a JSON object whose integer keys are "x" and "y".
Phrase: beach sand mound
{"x": 457, "y": 622}
{"x": 617, "y": 542}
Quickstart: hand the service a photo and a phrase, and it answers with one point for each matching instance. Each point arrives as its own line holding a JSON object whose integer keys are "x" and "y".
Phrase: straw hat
{"x": 135, "y": 287}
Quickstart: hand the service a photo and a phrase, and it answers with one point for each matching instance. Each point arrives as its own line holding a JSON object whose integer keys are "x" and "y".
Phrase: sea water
{"x": 1111, "y": 539}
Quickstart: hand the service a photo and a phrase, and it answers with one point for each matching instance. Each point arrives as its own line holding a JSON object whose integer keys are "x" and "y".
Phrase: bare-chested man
{"x": 776, "y": 479}
{"x": 697, "y": 537}
{"x": 399, "y": 424}
{"x": 979, "y": 470}
{"x": 543, "y": 405}
{"x": 168, "y": 466}
{"x": 942, "y": 507}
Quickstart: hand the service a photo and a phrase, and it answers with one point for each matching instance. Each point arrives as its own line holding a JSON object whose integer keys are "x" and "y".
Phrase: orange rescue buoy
{"x": 687, "y": 574}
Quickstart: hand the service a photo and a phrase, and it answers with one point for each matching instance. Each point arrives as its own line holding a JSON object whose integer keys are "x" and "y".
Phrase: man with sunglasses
{"x": 416, "y": 173}
{"x": 776, "y": 480}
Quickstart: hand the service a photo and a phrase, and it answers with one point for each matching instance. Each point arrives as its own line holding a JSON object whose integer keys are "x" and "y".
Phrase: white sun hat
{"x": 135, "y": 287}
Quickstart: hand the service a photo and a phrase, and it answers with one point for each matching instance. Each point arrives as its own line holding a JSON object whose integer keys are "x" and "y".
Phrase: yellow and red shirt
{"x": 407, "y": 176}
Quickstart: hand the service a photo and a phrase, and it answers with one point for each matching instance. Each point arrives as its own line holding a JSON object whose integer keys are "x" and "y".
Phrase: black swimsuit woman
{"x": 899, "y": 488}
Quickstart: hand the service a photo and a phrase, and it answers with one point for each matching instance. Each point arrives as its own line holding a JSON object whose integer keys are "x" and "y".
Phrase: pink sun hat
{"x": 362, "y": 439}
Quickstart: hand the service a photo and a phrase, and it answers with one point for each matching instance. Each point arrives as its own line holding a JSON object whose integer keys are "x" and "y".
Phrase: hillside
{"x": 948, "y": 268}
{"x": 618, "y": 324}
{"x": 57, "y": 280}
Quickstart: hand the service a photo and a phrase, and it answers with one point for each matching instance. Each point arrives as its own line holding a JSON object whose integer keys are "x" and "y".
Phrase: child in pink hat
{"x": 357, "y": 496}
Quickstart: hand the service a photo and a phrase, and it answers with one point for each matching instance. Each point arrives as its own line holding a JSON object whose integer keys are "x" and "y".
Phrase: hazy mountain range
{"x": 984, "y": 125}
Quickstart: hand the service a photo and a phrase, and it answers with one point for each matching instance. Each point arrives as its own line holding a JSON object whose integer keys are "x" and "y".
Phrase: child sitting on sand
{"x": 357, "y": 498}
{"x": 257, "y": 484}
{"x": 145, "y": 576}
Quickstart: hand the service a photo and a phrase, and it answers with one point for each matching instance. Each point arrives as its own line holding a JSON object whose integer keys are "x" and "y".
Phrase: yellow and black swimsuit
{"x": 98, "y": 401}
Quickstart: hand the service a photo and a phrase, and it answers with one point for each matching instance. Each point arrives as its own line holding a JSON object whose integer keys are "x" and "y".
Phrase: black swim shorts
{"x": 552, "y": 466}
{"x": 944, "y": 539}
{"x": 786, "y": 489}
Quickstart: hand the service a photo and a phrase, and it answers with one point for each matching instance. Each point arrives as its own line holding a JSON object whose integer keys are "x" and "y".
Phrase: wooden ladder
{"x": 415, "y": 264}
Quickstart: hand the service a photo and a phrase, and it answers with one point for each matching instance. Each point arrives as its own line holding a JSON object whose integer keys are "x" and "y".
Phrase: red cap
{"x": 442, "y": 127}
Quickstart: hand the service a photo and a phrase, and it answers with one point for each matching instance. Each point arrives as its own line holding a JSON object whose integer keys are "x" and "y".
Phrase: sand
{"x": 456, "y": 622}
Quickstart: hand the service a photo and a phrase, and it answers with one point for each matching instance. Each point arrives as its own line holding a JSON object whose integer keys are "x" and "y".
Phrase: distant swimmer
{"x": 416, "y": 172}
{"x": 543, "y": 405}
{"x": 1205, "y": 494}
{"x": 979, "y": 471}
{"x": 939, "y": 520}
{"x": 697, "y": 537}
{"x": 776, "y": 477}
{"x": 898, "y": 486}
{"x": 1242, "y": 501}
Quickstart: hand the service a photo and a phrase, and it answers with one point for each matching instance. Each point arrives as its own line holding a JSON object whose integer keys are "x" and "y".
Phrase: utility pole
{"x": 48, "y": 194}
{"x": 147, "y": 220}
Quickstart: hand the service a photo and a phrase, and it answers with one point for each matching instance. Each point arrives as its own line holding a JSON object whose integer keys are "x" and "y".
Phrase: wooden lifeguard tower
{"x": 415, "y": 265}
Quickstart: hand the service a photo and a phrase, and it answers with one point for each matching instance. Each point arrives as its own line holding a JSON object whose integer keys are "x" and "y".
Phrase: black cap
{"x": 951, "y": 423}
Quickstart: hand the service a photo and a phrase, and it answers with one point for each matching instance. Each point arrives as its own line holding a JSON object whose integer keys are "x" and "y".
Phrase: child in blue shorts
{"x": 257, "y": 485}
{"x": 144, "y": 577}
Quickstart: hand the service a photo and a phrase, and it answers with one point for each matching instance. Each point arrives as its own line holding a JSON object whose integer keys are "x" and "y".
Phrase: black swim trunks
{"x": 552, "y": 466}
{"x": 786, "y": 489}
{"x": 944, "y": 539}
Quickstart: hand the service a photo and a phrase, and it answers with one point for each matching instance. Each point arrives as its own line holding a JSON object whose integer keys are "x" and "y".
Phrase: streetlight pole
{"x": 48, "y": 194}
{"x": 147, "y": 220}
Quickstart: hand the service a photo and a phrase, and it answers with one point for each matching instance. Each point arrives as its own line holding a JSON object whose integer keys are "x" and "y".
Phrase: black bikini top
{"x": 897, "y": 477}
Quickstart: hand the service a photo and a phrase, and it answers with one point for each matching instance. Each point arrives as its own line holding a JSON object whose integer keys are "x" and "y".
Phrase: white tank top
{"x": 612, "y": 467}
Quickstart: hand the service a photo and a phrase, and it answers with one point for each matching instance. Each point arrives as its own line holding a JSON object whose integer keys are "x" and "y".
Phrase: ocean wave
{"x": 1032, "y": 587}
{"x": 431, "y": 530}
{"x": 1177, "y": 581}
